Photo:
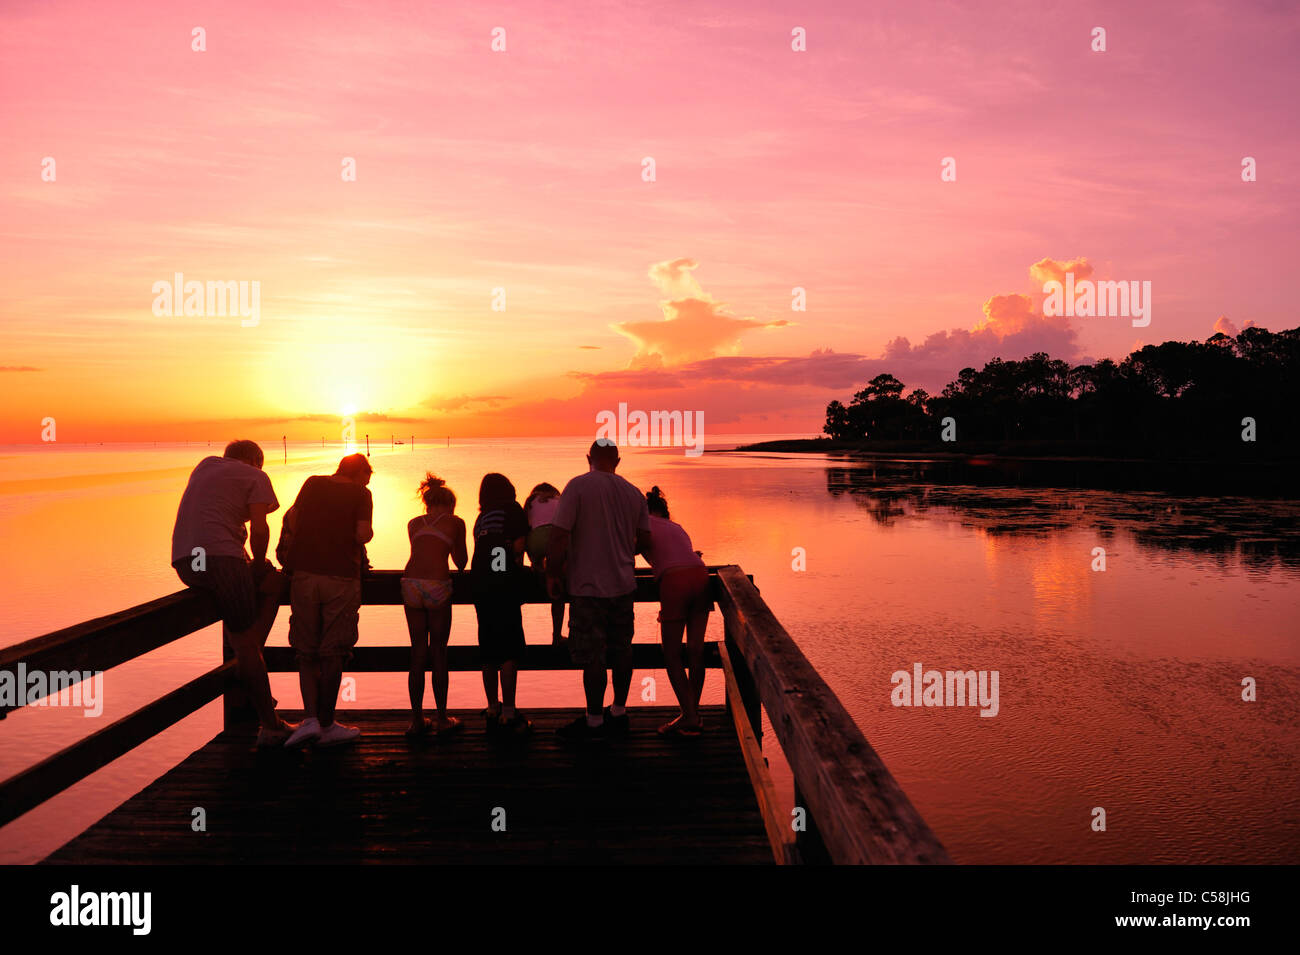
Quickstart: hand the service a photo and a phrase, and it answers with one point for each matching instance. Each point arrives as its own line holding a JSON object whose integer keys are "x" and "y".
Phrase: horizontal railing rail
{"x": 645, "y": 656}
{"x": 31, "y": 787}
{"x": 855, "y": 811}
{"x": 105, "y": 642}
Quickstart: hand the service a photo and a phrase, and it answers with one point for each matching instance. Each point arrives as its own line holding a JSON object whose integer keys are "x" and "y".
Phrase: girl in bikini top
{"x": 431, "y": 529}
{"x": 441, "y": 523}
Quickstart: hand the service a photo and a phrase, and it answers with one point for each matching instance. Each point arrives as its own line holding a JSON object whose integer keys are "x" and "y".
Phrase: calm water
{"x": 1119, "y": 689}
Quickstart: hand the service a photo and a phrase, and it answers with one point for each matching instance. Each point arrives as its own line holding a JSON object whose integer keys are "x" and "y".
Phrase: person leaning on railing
{"x": 685, "y": 599}
{"x": 329, "y": 525}
{"x": 598, "y": 528}
{"x": 224, "y": 494}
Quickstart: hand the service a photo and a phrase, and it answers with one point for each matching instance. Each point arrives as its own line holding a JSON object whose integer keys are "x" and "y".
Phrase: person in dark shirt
{"x": 495, "y": 571}
{"x": 323, "y": 546}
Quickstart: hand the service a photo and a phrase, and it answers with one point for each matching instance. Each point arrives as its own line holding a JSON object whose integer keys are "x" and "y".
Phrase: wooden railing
{"x": 854, "y": 811}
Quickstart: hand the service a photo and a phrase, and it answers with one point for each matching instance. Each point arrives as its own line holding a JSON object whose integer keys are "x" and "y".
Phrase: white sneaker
{"x": 308, "y": 731}
{"x": 336, "y": 734}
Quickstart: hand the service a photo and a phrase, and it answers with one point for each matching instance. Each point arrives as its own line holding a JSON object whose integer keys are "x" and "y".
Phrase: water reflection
{"x": 1261, "y": 534}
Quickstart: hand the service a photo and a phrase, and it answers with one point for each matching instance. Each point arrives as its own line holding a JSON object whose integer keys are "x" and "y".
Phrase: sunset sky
{"x": 522, "y": 170}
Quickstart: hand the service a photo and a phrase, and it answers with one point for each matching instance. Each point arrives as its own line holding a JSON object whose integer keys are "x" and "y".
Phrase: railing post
{"x": 854, "y": 810}
{"x": 748, "y": 688}
{"x": 236, "y": 710}
{"x": 808, "y": 842}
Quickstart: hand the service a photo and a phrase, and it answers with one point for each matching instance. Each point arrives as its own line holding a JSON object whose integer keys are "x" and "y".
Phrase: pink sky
{"x": 522, "y": 169}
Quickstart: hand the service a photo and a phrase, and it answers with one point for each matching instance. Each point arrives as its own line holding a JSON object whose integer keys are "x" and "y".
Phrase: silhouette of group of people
{"x": 584, "y": 540}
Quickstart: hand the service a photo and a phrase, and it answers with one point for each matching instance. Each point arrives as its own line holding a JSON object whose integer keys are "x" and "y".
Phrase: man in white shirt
{"x": 600, "y": 525}
{"x": 224, "y": 494}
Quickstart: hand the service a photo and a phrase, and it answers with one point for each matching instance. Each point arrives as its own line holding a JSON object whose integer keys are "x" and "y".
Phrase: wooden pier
{"x": 474, "y": 797}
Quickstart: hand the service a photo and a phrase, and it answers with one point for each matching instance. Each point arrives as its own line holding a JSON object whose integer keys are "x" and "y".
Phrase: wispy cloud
{"x": 461, "y": 402}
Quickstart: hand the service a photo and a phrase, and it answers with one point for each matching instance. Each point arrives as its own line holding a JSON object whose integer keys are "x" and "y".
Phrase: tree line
{"x": 1177, "y": 395}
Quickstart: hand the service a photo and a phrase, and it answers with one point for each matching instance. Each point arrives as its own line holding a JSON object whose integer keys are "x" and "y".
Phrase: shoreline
{"x": 1039, "y": 464}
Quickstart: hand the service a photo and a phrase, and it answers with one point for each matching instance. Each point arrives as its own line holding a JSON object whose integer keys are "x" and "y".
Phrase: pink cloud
{"x": 737, "y": 390}
{"x": 694, "y": 325}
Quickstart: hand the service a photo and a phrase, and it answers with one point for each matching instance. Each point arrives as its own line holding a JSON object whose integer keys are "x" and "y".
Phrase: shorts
{"x": 324, "y": 614}
{"x": 230, "y": 582}
{"x": 537, "y": 543}
{"x": 500, "y": 631}
{"x": 600, "y": 630}
{"x": 683, "y": 593}
{"x": 424, "y": 593}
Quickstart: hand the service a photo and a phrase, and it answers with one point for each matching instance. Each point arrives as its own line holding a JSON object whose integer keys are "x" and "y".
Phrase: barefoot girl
{"x": 685, "y": 600}
{"x": 436, "y": 535}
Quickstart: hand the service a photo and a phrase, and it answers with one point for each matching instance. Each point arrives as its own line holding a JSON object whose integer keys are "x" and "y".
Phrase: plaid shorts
{"x": 230, "y": 581}
{"x": 600, "y": 630}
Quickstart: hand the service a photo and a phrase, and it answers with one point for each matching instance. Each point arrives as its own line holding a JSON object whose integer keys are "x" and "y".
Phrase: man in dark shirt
{"x": 326, "y": 529}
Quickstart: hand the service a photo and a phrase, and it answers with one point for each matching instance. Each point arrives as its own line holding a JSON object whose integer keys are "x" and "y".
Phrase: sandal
{"x": 419, "y": 733}
{"x": 675, "y": 728}
{"x": 453, "y": 726}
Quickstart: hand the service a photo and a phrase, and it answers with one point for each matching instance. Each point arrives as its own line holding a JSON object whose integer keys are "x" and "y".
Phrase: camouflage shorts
{"x": 600, "y": 630}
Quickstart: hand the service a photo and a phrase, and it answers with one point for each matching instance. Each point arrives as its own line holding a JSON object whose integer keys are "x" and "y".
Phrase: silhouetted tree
{"x": 1176, "y": 396}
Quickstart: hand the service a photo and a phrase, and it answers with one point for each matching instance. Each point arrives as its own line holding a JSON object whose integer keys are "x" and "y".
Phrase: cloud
{"x": 1224, "y": 324}
{"x": 317, "y": 419}
{"x": 821, "y": 369}
{"x": 1008, "y": 314}
{"x": 694, "y": 325}
{"x": 936, "y": 361}
{"x": 1050, "y": 270}
{"x": 18, "y": 368}
{"x": 655, "y": 376}
{"x": 1013, "y": 326}
{"x": 675, "y": 280}
{"x": 457, "y": 402}
{"x": 791, "y": 392}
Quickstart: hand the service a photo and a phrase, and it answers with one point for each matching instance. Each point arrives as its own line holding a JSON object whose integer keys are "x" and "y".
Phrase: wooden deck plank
{"x": 643, "y": 800}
